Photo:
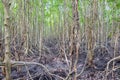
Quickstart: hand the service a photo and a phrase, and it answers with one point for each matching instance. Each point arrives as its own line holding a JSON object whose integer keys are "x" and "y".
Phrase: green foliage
{"x": 110, "y": 0}
{"x": 14, "y": 7}
{"x": 51, "y": 12}
{"x": 114, "y": 10}
{"x": 1, "y": 8}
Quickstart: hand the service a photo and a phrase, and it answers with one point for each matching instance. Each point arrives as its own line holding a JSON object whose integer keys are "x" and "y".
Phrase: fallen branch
{"x": 23, "y": 63}
{"x": 16, "y": 63}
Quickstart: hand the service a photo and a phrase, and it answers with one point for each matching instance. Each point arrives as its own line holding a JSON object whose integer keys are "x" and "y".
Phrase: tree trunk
{"x": 6, "y": 5}
{"x": 90, "y": 32}
{"x": 74, "y": 39}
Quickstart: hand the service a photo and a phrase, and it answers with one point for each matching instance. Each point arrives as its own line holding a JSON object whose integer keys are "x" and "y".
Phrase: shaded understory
{"x": 58, "y": 66}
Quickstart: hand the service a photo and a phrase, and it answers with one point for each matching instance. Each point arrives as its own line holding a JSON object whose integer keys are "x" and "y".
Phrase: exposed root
{"x": 107, "y": 68}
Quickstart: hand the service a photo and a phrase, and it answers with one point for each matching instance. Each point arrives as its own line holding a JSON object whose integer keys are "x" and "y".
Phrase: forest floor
{"x": 57, "y": 65}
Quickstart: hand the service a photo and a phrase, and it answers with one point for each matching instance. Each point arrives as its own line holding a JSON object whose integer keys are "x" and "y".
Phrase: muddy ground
{"x": 57, "y": 65}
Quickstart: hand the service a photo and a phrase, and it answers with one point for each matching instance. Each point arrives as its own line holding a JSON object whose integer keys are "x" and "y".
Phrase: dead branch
{"x": 23, "y": 63}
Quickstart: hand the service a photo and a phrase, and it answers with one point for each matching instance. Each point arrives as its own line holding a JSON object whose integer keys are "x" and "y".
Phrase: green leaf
{"x": 118, "y": 5}
{"x": 116, "y": 19}
{"x": 110, "y": 0}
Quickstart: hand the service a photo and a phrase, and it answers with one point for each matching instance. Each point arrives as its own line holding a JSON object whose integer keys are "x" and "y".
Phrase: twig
{"x": 69, "y": 74}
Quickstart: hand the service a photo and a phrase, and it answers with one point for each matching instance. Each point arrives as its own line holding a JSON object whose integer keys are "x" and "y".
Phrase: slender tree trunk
{"x": 74, "y": 39}
{"x": 25, "y": 29}
{"x": 90, "y": 35}
{"x": 76, "y": 33}
{"x": 6, "y": 5}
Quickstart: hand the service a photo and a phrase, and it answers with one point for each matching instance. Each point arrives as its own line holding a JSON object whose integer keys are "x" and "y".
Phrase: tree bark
{"x": 6, "y": 5}
{"x": 74, "y": 39}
